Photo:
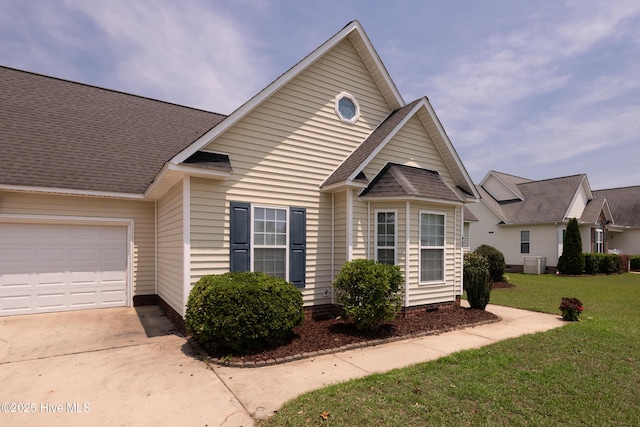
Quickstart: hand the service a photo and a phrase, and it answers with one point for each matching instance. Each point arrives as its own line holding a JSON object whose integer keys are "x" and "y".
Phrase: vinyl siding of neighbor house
{"x": 497, "y": 189}
{"x": 411, "y": 146}
{"x": 627, "y": 242}
{"x": 545, "y": 240}
{"x": 283, "y": 150}
{"x": 579, "y": 203}
{"x": 171, "y": 248}
{"x": 142, "y": 213}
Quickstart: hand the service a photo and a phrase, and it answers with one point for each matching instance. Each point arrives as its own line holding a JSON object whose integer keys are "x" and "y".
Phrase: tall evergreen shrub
{"x": 495, "y": 258}
{"x": 572, "y": 259}
{"x": 477, "y": 280}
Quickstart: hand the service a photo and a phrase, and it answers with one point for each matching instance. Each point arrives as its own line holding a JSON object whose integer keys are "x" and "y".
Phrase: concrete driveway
{"x": 116, "y": 367}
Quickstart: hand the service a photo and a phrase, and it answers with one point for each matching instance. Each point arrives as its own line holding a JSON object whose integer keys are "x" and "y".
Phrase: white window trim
{"x": 443, "y": 247}
{"x": 395, "y": 234}
{"x": 286, "y": 209}
{"x": 356, "y": 116}
{"x": 599, "y": 237}
{"x": 525, "y": 241}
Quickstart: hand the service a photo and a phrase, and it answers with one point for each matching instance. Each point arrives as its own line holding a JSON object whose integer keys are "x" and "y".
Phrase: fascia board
{"x": 412, "y": 198}
{"x": 285, "y": 78}
{"x": 72, "y": 192}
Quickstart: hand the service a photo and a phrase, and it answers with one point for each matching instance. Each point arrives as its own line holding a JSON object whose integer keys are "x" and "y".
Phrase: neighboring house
{"x": 527, "y": 219}
{"x": 624, "y": 236}
{"x": 110, "y": 199}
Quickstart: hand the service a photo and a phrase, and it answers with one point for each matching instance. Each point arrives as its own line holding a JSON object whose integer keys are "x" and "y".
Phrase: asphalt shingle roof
{"x": 59, "y": 134}
{"x": 624, "y": 204}
{"x": 396, "y": 180}
{"x": 544, "y": 201}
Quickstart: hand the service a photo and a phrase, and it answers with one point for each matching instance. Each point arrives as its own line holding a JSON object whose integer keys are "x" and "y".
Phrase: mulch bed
{"x": 315, "y": 337}
{"x": 502, "y": 285}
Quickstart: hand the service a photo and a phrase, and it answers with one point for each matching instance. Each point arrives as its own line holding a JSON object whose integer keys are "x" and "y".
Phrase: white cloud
{"x": 183, "y": 52}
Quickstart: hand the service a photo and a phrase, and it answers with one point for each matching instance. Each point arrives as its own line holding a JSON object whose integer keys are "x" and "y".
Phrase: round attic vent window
{"x": 347, "y": 108}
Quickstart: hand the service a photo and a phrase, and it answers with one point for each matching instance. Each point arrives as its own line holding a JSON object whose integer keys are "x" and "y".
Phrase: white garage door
{"x": 54, "y": 267}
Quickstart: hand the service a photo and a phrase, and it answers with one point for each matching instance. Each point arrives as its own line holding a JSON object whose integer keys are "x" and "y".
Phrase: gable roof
{"x": 624, "y": 203}
{"x": 542, "y": 201}
{"x": 355, "y": 33}
{"x": 508, "y": 181}
{"x": 351, "y": 168}
{"x": 62, "y": 136}
{"x": 397, "y": 181}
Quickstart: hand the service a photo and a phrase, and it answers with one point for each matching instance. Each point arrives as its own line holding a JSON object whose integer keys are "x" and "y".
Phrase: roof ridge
{"x": 553, "y": 179}
{"x": 60, "y": 79}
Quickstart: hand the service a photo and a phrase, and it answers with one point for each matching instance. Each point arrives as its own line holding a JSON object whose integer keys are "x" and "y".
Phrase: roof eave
{"x": 71, "y": 192}
{"x": 343, "y": 185}
{"x": 172, "y": 173}
{"x": 401, "y": 198}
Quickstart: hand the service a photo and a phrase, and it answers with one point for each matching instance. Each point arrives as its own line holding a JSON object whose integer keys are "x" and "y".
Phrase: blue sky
{"x": 538, "y": 89}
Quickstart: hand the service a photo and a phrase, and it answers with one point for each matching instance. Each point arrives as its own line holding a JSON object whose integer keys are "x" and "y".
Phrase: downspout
{"x": 369, "y": 230}
{"x": 461, "y": 249}
{"x": 333, "y": 241}
{"x": 407, "y": 252}
{"x": 349, "y": 224}
{"x": 155, "y": 232}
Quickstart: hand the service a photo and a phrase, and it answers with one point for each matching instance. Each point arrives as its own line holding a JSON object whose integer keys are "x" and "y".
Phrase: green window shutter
{"x": 240, "y": 237}
{"x": 297, "y": 246}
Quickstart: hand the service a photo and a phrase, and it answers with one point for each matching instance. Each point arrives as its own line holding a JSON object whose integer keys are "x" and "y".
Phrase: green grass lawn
{"x": 583, "y": 374}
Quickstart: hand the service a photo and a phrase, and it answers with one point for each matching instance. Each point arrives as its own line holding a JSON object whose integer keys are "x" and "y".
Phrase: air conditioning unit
{"x": 534, "y": 265}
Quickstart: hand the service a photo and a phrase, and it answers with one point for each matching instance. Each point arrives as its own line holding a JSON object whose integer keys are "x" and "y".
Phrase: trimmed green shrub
{"x": 495, "y": 258}
{"x": 242, "y": 312}
{"x": 572, "y": 259}
{"x": 592, "y": 263}
{"x": 370, "y": 292}
{"x": 602, "y": 263}
{"x": 635, "y": 262}
{"x": 477, "y": 280}
{"x": 609, "y": 263}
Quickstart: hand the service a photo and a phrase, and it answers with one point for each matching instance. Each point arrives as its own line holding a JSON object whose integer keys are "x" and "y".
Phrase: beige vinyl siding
{"x": 171, "y": 248}
{"x": 142, "y": 213}
{"x": 281, "y": 152}
{"x": 340, "y": 230}
{"x": 361, "y": 243}
{"x": 411, "y": 146}
{"x": 209, "y": 228}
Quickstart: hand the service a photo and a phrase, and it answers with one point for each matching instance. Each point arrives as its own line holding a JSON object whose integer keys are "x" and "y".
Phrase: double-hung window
{"x": 268, "y": 239}
{"x": 386, "y": 237}
{"x": 525, "y": 242}
{"x": 432, "y": 241}
{"x": 599, "y": 241}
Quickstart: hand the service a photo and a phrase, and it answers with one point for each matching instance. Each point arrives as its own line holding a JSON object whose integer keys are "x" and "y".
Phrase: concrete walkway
{"x": 107, "y": 367}
{"x": 263, "y": 390}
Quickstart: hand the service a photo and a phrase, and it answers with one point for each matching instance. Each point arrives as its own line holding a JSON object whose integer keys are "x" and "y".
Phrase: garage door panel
{"x": 54, "y": 267}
